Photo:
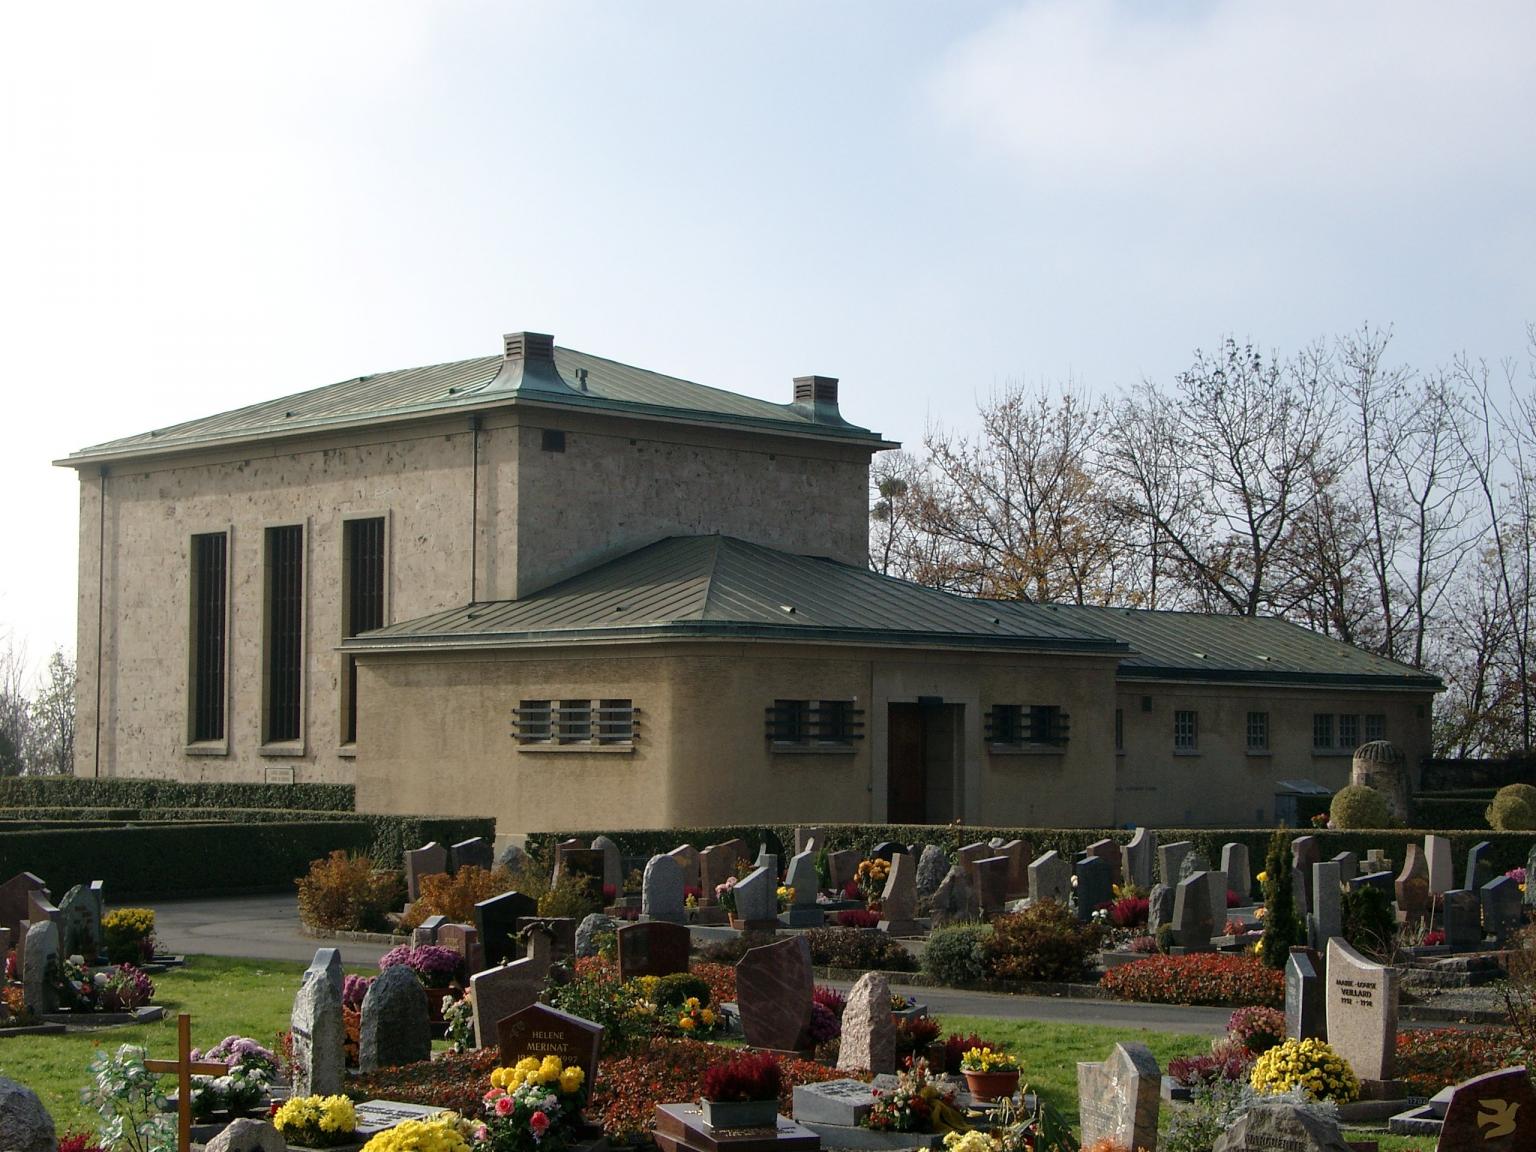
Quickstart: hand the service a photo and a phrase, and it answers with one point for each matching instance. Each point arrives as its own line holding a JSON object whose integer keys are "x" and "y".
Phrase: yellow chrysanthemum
{"x": 571, "y": 1079}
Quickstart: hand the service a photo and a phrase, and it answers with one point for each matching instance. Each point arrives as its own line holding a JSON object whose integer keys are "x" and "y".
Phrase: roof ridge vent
{"x": 528, "y": 366}
{"x": 816, "y": 396}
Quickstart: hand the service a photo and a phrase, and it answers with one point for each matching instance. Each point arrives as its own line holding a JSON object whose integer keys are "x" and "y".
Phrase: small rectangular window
{"x": 1258, "y": 731}
{"x": 1005, "y": 724}
{"x": 362, "y": 609}
{"x": 615, "y": 721}
{"x": 1375, "y": 726}
{"x": 1186, "y": 731}
{"x": 572, "y": 723}
{"x": 1047, "y": 724}
{"x": 210, "y": 606}
{"x": 1349, "y": 732}
{"x": 533, "y": 721}
{"x": 1119, "y": 729}
{"x": 814, "y": 722}
{"x": 284, "y": 633}
{"x": 575, "y": 721}
{"x": 1322, "y": 730}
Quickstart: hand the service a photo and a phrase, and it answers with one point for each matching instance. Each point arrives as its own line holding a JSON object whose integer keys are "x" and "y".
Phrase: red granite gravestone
{"x": 1495, "y": 1112}
{"x": 654, "y": 948}
{"x": 773, "y": 994}
{"x": 13, "y": 902}
{"x": 543, "y": 1031}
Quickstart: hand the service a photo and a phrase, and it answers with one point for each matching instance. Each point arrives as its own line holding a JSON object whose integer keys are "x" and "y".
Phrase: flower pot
{"x": 741, "y": 1113}
{"x": 986, "y": 1086}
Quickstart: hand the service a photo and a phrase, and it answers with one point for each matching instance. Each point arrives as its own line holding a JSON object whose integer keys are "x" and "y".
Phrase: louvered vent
{"x": 528, "y": 346}
{"x": 815, "y": 389}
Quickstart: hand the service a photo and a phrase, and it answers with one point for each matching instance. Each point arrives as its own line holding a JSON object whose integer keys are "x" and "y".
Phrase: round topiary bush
{"x": 1358, "y": 806}
{"x": 1513, "y": 809}
{"x": 957, "y": 955}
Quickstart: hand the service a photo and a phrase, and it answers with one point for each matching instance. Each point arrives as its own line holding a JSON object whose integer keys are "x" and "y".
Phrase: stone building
{"x": 566, "y": 592}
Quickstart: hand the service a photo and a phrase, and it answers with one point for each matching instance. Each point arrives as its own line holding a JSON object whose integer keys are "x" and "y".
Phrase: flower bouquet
{"x": 786, "y": 897}
{"x": 694, "y": 1018}
{"x": 725, "y": 895}
{"x": 445, "y": 1132}
{"x": 743, "y": 1092}
{"x": 535, "y": 1104}
{"x": 870, "y": 876}
{"x": 316, "y": 1121}
{"x": 123, "y": 989}
{"x": 915, "y": 1105}
{"x": 252, "y": 1068}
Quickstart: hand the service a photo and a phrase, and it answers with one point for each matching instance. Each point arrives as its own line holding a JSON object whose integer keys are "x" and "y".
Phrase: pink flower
{"x": 504, "y": 1106}
{"x": 538, "y": 1122}
{"x": 482, "y": 1133}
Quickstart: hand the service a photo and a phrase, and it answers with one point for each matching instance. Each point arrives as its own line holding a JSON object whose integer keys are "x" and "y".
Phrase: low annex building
{"x": 567, "y": 592}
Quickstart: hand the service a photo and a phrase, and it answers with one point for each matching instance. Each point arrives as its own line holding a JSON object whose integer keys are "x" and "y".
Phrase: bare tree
{"x": 15, "y": 708}
{"x": 53, "y": 718}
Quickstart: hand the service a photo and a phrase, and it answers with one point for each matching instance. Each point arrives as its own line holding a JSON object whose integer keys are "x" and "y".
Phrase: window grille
{"x": 1322, "y": 730}
{"x": 363, "y": 557}
{"x": 210, "y": 599}
{"x": 1018, "y": 724}
{"x": 1186, "y": 731}
{"x": 1258, "y": 731}
{"x": 1349, "y": 732}
{"x": 285, "y": 631}
{"x": 814, "y": 722}
{"x": 1375, "y": 726}
{"x": 575, "y": 722}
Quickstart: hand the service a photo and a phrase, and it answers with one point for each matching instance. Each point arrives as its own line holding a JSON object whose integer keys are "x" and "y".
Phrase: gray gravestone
{"x": 396, "y": 1025}
{"x": 806, "y": 837}
{"x": 500, "y": 992}
{"x": 842, "y": 867}
{"x": 1281, "y": 1128}
{"x": 931, "y": 867}
{"x": 1349, "y": 866}
{"x": 1501, "y": 908}
{"x": 593, "y": 925}
{"x": 1530, "y": 874}
{"x": 1137, "y": 857}
{"x": 898, "y": 900}
{"x": 1442, "y": 866}
{"x": 869, "y": 1029}
{"x": 14, "y": 901}
{"x": 497, "y": 919}
{"x": 1050, "y": 878}
{"x": 769, "y": 862}
{"x": 1305, "y": 852}
{"x": 1118, "y": 1100}
{"x": 1093, "y": 886}
{"x": 1479, "y": 866}
{"x": 842, "y": 1102}
{"x": 717, "y": 864}
{"x": 25, "y": 1125}
{"x": 80, "y": 923}
{"x": 992, "y": 884}
{"x": 1192, "y": 922}
{"x": 1463, "y": 919}
{"x": 1362, "y": 1011}
{"x": 1169, "y": 858}
{"x": 40, "y": 948}
{"x": 476, "y": 852}
{"x": 613, "y": 864}
{"x": 955, "y": 900}
{"x": 801, "y": 876}
{"x": 431, "y": 859}
{"x": 1328, "y": 913}
{"x": 687, "y": 857}
{"x": 757, "y": 901}
{"x": 246, "y": 1134}
{"x": 1306, "y": 1014}
{"x": 1239, "y": 873}
{"x": 1383, "y": 881}
{"x": 1159, "y": 908}
{"x": 662, "y": 895}
{"x": 1218, "y": 884}
{"x": 319, "y": 1063}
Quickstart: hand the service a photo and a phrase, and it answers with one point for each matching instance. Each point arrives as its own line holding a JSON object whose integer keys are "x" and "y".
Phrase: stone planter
{"x": 988, "y": 1086}
{"x": 740, "y": 1113}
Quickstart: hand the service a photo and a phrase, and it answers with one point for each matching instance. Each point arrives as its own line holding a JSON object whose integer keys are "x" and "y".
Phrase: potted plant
{"x": 743, "y": 1092}
{"x": 990, "y": 1073}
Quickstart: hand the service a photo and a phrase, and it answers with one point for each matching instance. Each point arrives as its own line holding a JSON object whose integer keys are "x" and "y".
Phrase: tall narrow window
{"x": 1186, "y": 731}
{"x": 362, "y": 557}
{"x": 284, "y": 633}
{"x": 1375, "y": 726}
{"x": 1258, "y": 731}
{"x": 210, "y": 601}
{"x": 1322, "y": 730}
{"x": 1119, "y": 729}
{"x": 1349, "y": 732}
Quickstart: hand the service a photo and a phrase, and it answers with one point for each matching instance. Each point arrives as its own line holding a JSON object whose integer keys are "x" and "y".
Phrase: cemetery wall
{"x": 1159, "y": 784}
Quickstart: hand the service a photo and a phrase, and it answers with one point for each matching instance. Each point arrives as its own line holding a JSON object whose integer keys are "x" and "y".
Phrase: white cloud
{"x": 1339, "y": 101}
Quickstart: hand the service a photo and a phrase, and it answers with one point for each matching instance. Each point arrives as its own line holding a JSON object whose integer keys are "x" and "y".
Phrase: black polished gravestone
{"x": 1306, "y": 1015}
{"x": 497, "y": 919}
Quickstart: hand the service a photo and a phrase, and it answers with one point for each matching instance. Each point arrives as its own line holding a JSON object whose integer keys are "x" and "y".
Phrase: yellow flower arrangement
{"x": 988, "y": 1060}
{"x": 973, "y": 1141}
{"x": 1311, "y": 1065}
{"x": 129, "y": 921}
{"x": 693, "y": 1016}
{"x": 315, "y": 1119}
{"x": 532, "y": 1070}
{"x": 441, "y": 1133}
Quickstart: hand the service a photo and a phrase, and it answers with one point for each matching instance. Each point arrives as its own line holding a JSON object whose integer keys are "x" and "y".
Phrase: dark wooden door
{"x": 906, "y": 786}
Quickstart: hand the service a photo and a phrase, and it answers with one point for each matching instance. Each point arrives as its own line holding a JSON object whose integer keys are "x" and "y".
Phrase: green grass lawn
{"x": 254, "y": 998}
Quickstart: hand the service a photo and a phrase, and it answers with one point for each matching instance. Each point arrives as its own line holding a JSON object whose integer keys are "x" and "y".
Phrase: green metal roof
{"x": 466, "y": 385}
{"x": 719, "y": 586}
{"x": 1198, "y": 646}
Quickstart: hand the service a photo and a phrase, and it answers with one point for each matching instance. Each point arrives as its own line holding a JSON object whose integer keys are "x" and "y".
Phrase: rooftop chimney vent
{"x": 528, "y": 346}
{"x": 816, "y": 396}
{"x": 528, "y": 366}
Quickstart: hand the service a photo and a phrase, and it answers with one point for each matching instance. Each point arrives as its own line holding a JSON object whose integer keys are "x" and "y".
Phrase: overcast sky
{"x": 209, "y": 205}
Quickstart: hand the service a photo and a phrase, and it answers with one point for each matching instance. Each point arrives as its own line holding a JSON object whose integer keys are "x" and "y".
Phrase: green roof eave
{"x": 473, "y": 402}
{"x": 1281, "y": 676}
{"x": 715, "y": 630}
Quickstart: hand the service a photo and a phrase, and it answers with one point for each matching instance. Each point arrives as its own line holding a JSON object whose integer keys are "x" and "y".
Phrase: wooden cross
{"x": 183, "y": 1068}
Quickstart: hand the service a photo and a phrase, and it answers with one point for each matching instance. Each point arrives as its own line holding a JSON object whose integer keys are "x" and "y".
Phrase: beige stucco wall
{"x": 534, "y": 517}
{"x": 435, "y": 735}
{"x": 1222, "y": 783}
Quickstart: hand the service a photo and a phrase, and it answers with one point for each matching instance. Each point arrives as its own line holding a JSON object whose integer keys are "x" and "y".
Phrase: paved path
{"x": 252, "y": 927}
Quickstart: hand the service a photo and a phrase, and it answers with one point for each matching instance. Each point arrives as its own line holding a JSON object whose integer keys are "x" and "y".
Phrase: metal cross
{"x": 183, "y": 1068}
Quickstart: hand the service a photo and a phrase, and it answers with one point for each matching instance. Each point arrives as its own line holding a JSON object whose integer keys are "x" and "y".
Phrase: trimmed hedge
{"x": 1509, "y": 849}
{"x": 120, "y": 792}
{"x": 166, "y": 858}
{"x": 1443, "y": 812}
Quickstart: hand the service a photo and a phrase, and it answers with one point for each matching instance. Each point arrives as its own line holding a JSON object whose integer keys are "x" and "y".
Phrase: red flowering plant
{"x": 1129, "y": 911}
{"x": 857, "y": 918}
{"x": 535, "y": 1104}
{"x": 1198, "y": 978}
{"x": 750, "y": 1076}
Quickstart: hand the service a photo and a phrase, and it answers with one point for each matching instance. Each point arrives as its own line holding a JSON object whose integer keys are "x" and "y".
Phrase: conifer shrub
{"x": 1282, "y": 927}
{"x": 956, "y": 955}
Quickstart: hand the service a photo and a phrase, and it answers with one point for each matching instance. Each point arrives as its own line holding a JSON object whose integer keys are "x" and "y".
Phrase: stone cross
{"x": 1118, "y": 1099}
{"x": 184, "y": 1068}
